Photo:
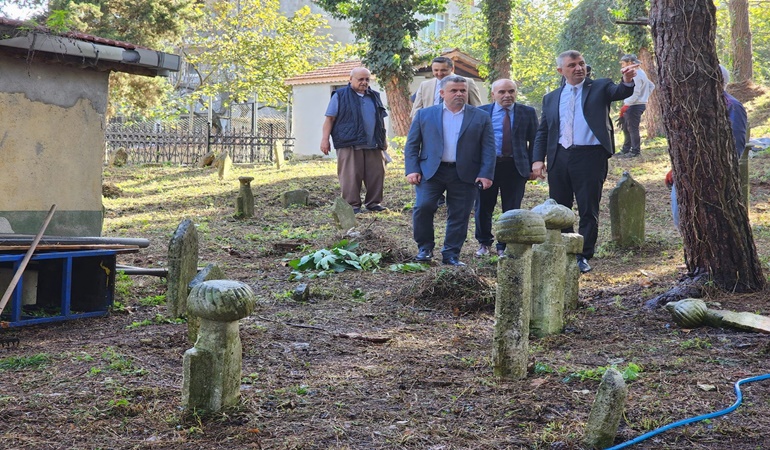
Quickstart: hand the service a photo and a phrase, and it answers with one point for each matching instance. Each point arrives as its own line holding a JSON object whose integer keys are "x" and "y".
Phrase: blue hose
{"x": 732, "y": 408}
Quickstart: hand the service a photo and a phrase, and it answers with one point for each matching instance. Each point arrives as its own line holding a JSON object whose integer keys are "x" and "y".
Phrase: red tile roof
{"x": 331, "y": 74}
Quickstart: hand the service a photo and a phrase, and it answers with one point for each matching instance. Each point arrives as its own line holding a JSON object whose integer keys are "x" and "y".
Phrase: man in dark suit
{"x": 576, "y": 138}
{"x": 450, "y": 148}
{"x": 515, "y": 126}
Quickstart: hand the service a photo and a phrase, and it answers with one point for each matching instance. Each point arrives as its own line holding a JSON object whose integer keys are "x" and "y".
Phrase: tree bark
{"x": 740, "y": 33}
{"x": 653, "y": 119}
{"x": 498, "y": 16}
{"x": 714, "y": 222}
{"x": 399, "y": 105}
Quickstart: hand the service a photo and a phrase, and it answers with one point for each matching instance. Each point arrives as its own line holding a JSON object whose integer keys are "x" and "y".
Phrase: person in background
{"x": 575, "y": 137}
{"x": 515, "y": 126}
{"x": 355, "y": 120}
{"x": 739, "y": 122}
{"x": 428, "y": 92}
{"x": 633, "y": 108}
{"x": 450, "y": 149}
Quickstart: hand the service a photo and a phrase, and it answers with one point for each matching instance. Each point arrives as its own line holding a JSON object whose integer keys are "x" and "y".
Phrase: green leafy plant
{"x": 629, "y": 373}
{"x": 408, "y": 267}
{"x": 337, "y": 259}
{"x": 153, "y": 300}
{"x": 24, "y": 362}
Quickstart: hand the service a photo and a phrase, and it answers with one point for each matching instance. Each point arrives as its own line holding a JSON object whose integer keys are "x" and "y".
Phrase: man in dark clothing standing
{"x": 355, "y": 120}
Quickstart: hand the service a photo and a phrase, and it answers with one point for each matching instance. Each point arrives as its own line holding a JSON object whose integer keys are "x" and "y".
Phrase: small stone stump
{"x": 549, "y": 263}
{"x": 573, "y": 245}
{"x": 627, "y": 203}
{"x": 182, "y": 267}
{"x": 295, "y": 197}
{"x": 212, "y": 368}
{"x": 120, "y": 157}
{"x": 607, "y": 410}
{"x": 519, "y": 229}
{"x": 244, "y": 204}
{"x": 343, "y": 214}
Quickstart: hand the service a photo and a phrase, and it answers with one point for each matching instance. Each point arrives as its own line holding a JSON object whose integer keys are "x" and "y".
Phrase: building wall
{"x": 52, "y": 139}
{"x": 339, "y": 29}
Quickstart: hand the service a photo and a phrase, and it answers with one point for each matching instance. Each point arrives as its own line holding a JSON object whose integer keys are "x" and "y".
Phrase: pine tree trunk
{"x": 399, "y": 105}
{"x": 740, "y": 33}
{"x": 498, "y": 17}
{"x": 714, "y": 222}
{"x": 653, "y": 120}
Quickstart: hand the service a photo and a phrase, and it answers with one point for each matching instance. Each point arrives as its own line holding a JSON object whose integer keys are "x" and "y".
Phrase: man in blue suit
{"x": 576, "y": 136}
{"x": 450, "y": 148}
{"x": 514, "y": 126}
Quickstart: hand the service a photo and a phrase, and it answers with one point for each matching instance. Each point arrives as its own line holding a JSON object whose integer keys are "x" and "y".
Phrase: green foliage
{"x": 467, "y": 31}
{"x": 246, "y": 47}
{"x": 408, "y": 267}
{"x": 33, "y": 362}
{"x": 153, "y": 300}
{"x": 536, "y": 28}
{"x": 498, "y": 15}
{"x": 159, "y": 319}
{"x": 629, "y": 373}
{"x": 590, "y": 30}
{"x": 695, "y": 343}
{"x": 390, "y": 28}
{"x": 338, "y": 259}
{"x": 632, "y": 38}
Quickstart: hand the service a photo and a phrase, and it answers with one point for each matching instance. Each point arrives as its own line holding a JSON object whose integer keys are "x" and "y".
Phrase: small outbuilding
{"x": 311, "y": 92}
{"x": 53, "y": 98}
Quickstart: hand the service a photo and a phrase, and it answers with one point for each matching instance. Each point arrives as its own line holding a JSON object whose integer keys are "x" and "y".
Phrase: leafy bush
{"x": 339, "y": 259}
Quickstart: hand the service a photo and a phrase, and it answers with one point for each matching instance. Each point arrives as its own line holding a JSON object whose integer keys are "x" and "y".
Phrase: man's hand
{"x": 629, "y": 72}
{"x": 538, "y": 170}
{"x": 325, "y": 147}
{"x": 486, "y": 183}
{"x": 414, "y": 178}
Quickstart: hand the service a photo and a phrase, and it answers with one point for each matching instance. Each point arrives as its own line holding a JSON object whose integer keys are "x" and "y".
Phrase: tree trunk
{"x": 713, "y": 218}
{"x": 399, "y": 105}
{"x": 498, "y": 16}
{"x": 653, "y": 120}
{"x": 741, "y": 41}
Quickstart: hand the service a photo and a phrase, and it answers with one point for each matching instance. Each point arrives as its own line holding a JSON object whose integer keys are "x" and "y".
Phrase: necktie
{"x": 507, "y": 148}
{"x": 569, "y": 119}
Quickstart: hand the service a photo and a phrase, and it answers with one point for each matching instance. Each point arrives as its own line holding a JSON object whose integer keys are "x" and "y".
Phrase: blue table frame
{"x": 67, "y": 261}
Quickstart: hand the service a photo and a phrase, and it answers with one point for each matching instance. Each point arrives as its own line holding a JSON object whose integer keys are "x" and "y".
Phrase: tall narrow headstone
{"x": 212, "y": 368}
{"x": 573, "y": 244}
{"x": 225, "y": 165}
{"x": 182, "y": 267}
{"x": 278, "y": 157}
{"x": 244, "y": 204}
{"x": 519, "y": 229}
{"x": 607, "y": 410}
{"x": 627, "y": 203}
{"x": 549, "y": 263}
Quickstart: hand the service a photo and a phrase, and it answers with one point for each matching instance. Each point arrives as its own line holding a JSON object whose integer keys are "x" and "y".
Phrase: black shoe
{"x": 356, "y": 210}
{"x": 453, "y": 261}
{"x": 633, "y": 155}
{"x": 377, "y": 208}
{"x": 583, "y": 265}
{"x": 424, "y": 256}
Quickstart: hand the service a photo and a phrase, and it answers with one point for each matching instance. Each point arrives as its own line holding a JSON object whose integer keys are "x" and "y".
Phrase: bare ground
{"x": 105, "y": 384}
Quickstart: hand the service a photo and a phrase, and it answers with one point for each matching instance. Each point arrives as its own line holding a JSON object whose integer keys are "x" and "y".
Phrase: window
{"x": 436, "y": 27}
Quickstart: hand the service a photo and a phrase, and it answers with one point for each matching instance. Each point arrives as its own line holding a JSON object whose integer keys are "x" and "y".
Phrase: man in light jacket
{"x": 633, "y": 108}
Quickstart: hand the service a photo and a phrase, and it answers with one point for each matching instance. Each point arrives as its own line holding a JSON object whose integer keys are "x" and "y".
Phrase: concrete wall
{"x": 51, "y": 144}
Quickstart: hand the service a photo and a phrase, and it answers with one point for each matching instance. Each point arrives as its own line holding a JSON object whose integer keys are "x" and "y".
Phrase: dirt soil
{"x": 115, "y": 382}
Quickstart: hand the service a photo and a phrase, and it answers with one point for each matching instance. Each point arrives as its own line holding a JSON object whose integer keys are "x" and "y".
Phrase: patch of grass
{"x": 696, "y": 343}
{"x": 33, "y": 362}
{"x": 153, "y": 300}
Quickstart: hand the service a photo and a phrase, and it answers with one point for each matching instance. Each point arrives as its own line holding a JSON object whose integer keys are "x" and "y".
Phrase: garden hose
{"x": 739, "y": 399}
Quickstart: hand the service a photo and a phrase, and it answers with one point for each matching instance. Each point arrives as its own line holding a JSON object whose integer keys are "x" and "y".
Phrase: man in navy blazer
{"x": 514, "y": 126}
{"x": 450, "y": 148}
{"x": 576, "y": 138}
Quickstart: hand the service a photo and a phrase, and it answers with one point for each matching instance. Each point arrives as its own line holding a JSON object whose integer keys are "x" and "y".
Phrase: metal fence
{"x": 247, "y": 139}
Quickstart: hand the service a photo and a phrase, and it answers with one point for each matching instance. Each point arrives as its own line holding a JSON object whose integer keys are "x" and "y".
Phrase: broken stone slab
{"x": 295, "y": 197}
{"x": 607, "y": 410}
{"x": 740, "y": 320}
{"x": 343, "y": 214}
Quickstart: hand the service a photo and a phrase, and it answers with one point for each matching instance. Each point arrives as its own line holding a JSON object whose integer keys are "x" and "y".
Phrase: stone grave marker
{"x": 182, "y": 267}
{"x": 295, "y": 197}
{"x": 244, "y": 204}
{"x": 343, "y": 214}
{"x": 607, "y": 410}
{"x": 627, "y": 203}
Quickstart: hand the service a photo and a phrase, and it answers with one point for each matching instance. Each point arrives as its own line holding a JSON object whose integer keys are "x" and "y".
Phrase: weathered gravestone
{"x": 519, "y": 229}
{"x": 244, "y": 204}
{"x": 212, "y": 368}
{"x": 210, "y": 272}
{"x": 573, "y": 245}
{"x": 343, "y": 214}
{"x": 295, "y": 197}
{"x": 182, "y": 267}
{"x": 549, "y": 263}
{"x": 627, "y": 203}
{"x": 607, "y": 410}
{"x": 224, "y": 165}
{"x": 120, "y": 157}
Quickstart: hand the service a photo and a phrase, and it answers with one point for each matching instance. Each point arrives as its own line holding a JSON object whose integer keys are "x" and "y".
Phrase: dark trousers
{"x": 580, "y": 171}
{"x": 631, "y": 120}
{"x": 510, "y": 184}
{"x": 459, "y": 202}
